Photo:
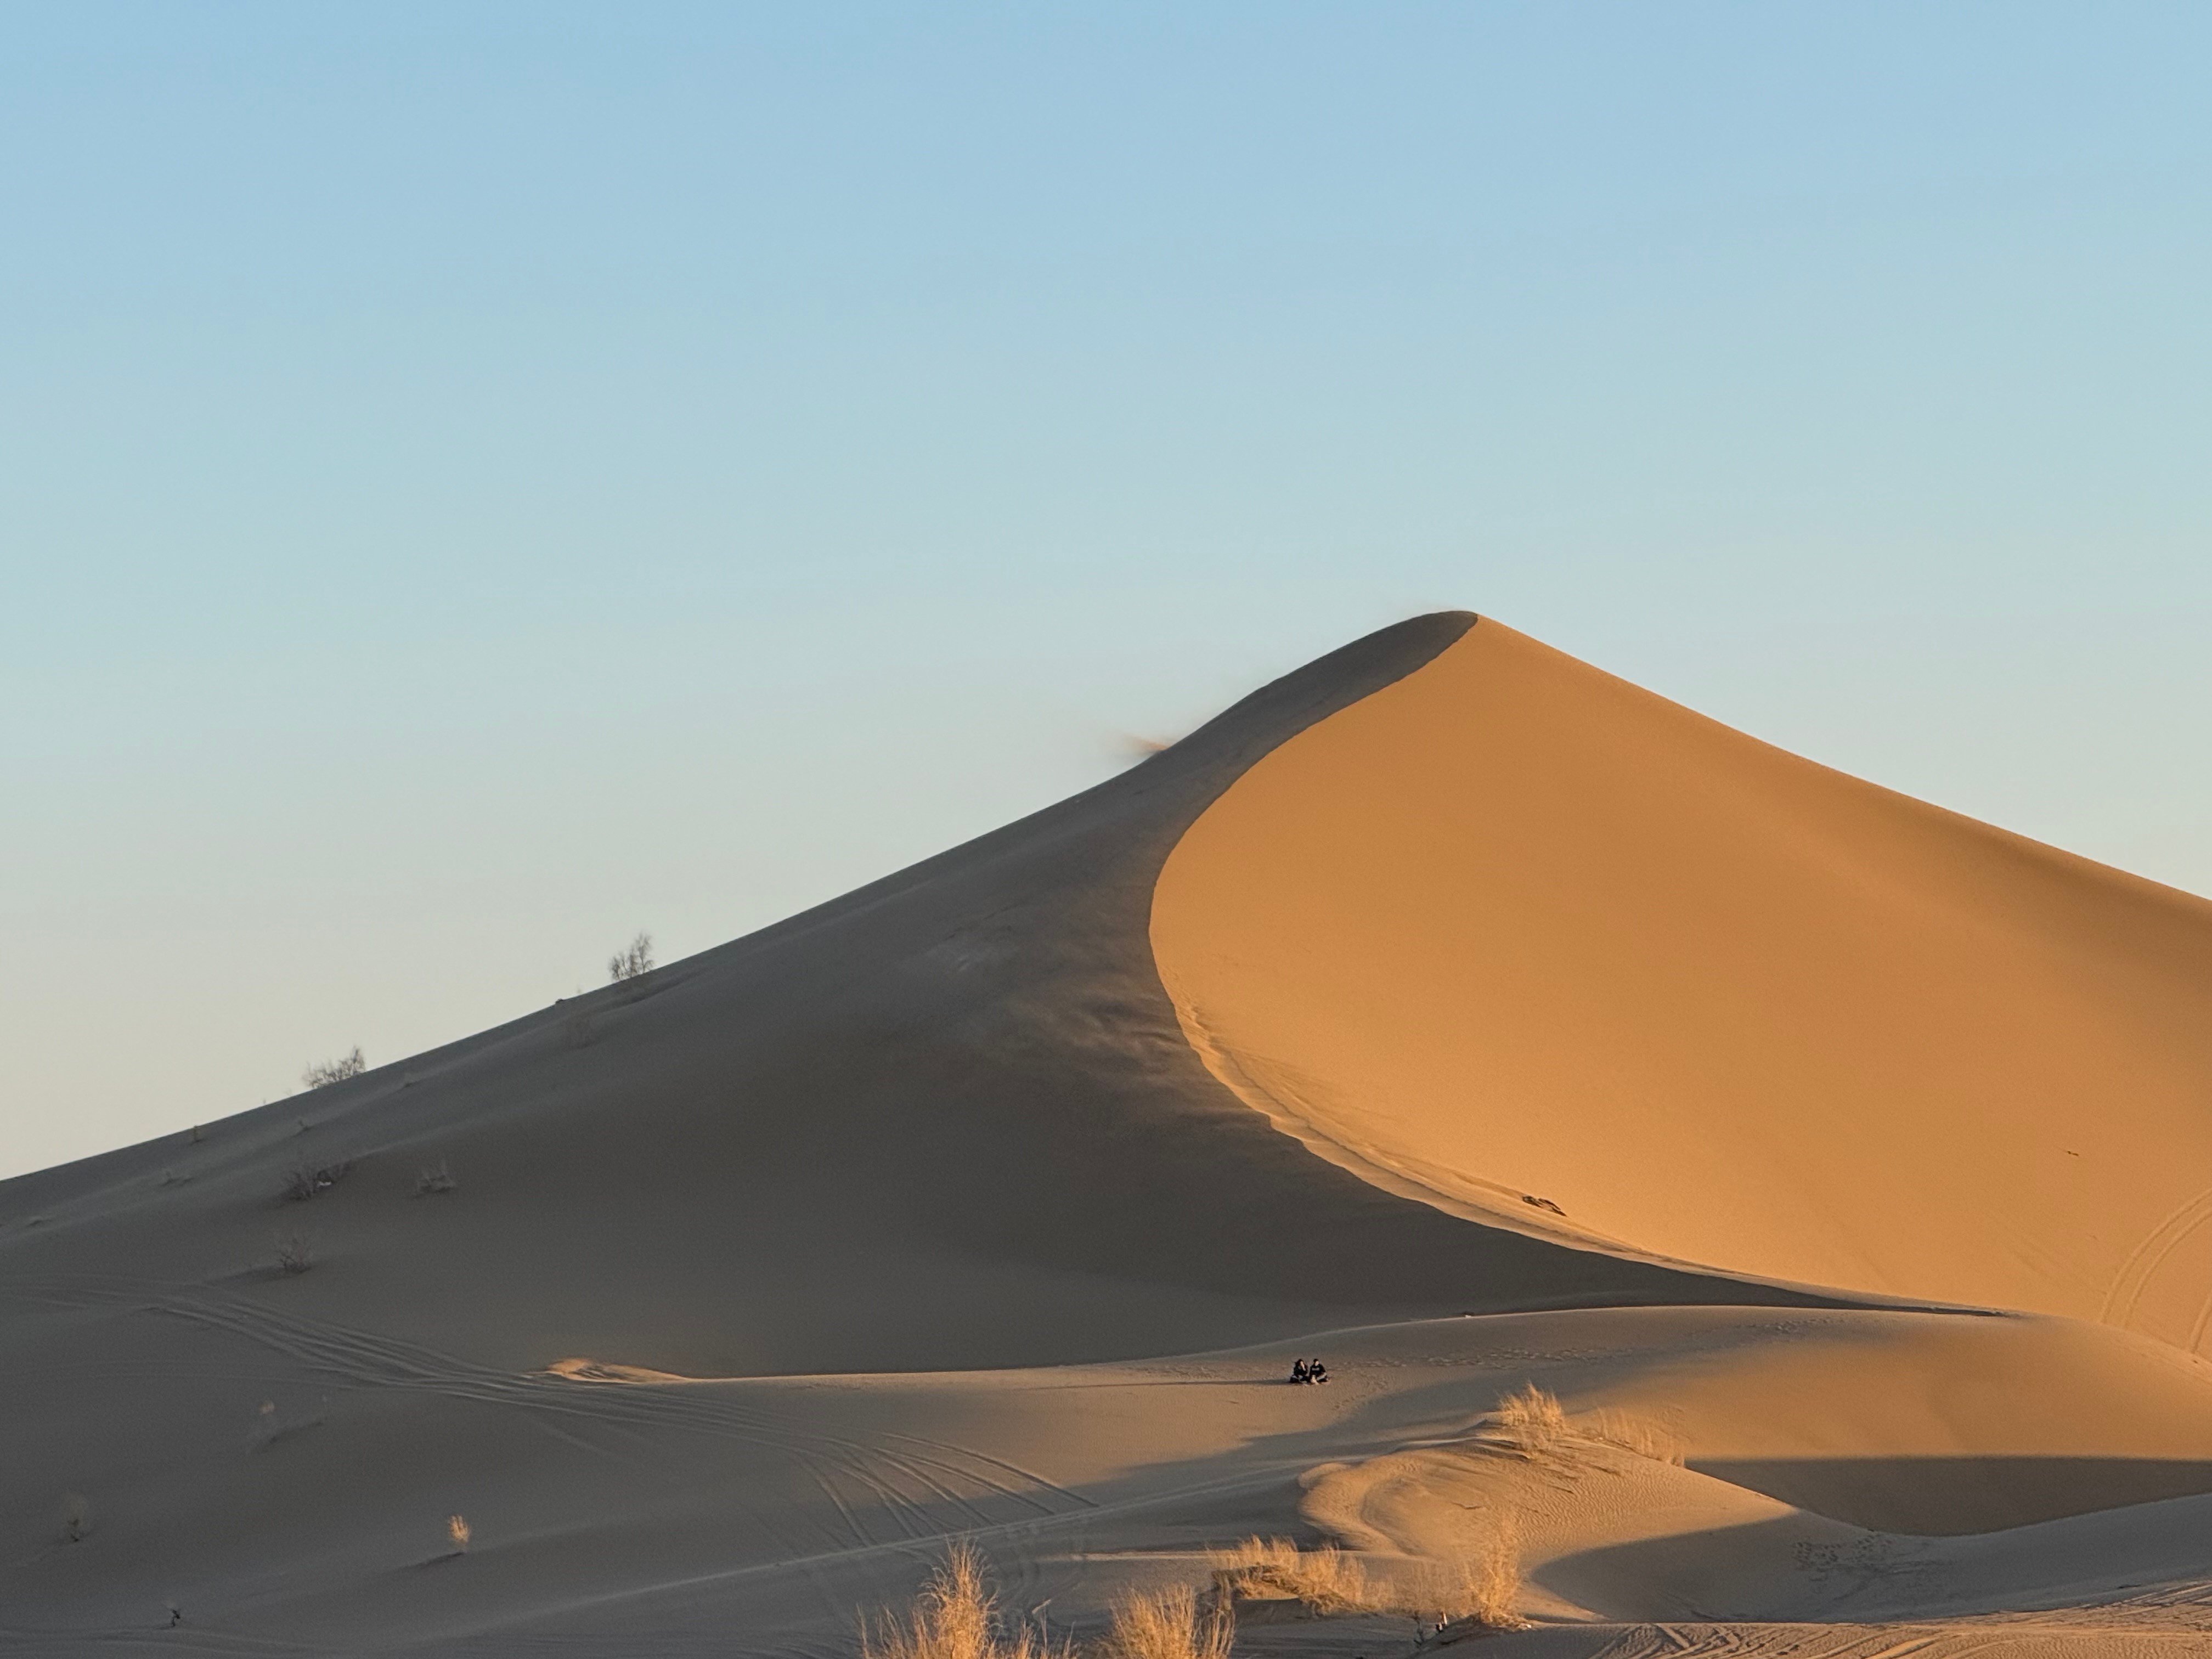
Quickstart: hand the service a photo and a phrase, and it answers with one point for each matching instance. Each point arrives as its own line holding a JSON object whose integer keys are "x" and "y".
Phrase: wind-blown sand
{"x": 995, "y": 1198}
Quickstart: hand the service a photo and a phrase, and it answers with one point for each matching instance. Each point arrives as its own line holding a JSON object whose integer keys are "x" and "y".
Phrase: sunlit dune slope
{"x": 1512, "y": 929}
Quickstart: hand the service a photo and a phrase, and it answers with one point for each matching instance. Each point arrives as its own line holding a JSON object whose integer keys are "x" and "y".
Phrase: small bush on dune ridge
{"x": 1531, "y": 1423}
{"x": 334, "y": 1071}
{"x": 633, "y": 963}
{"x": 1636, "y": 1434}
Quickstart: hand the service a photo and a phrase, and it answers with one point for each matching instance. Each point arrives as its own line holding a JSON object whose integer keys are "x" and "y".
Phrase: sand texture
{"x": 1870, "y": 1276}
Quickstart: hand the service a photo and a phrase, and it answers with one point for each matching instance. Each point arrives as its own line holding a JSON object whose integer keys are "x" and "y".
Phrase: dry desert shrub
{"x": 1482, "y": 1586}
{"x": 458, "y": 1532}
{"x": 304, "y": 1181}
{"x": 294, "y": 1255}
{"x": 1169, "y": 1625}
{"x": 334, "y": 1071}
{"x": 1639, "y": 1434}
{"x": 633, "y": 963}
{"x": 432, "y": 1179}
{"x": 1533, "y": 1424}
{"x": 955, "y": 1617}
{"x": 1325, "y": 1580}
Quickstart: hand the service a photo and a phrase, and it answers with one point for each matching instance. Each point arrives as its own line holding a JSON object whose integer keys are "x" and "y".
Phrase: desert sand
{"x": 1448, "y": 1010}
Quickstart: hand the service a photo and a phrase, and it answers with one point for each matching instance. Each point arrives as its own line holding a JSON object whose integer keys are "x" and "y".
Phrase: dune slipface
{"x": 1511, "y": 927}
{"x": 1445, "y": 1008}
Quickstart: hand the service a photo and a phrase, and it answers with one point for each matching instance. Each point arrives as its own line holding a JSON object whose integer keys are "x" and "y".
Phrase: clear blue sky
{"x": 478, "y": 480}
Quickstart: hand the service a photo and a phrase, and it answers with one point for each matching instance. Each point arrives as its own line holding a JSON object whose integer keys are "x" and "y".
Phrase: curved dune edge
{"x": 1511, "y": 928}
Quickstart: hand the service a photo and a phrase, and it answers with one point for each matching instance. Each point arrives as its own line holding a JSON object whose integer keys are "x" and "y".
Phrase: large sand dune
{"x": 995, "y": 1198}
{"x": 1512, "y": 927}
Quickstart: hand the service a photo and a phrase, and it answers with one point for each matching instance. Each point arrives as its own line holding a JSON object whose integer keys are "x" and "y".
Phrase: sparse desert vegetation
{"x": 295, "y": 1254}
{"x": 1481, "y": 1585}
{"x": 433, "y": 1179}
{"x": 633, "y": 963}
{"x": 1169, "y": 1624}
{"x": 458, "y": 1533}
{"x": 328, "y": 1072}
{"x": 305, "y": 1181}
{"x": 956, "y": 1616}
{"x": 1324, "y": 1581}
{"x": 1531, "y": 1423}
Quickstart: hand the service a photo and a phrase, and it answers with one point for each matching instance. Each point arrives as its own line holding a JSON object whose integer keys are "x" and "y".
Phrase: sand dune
{"x": 1511, "y": 927}
{"x": 994, "y": 1199}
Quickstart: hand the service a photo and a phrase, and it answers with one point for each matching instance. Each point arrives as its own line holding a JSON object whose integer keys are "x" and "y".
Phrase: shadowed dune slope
{"x": 948, "y": 1121}
{"x": 1513, "y": 928}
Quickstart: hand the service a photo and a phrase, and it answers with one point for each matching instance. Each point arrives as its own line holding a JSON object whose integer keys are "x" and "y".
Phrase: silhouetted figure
{"x": 1298, "y": 1371}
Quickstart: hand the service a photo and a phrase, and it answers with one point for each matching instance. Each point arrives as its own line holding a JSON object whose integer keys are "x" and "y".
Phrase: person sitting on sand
{"x": 1298, "y": 1371}
{"x": 1316, "y": 1372}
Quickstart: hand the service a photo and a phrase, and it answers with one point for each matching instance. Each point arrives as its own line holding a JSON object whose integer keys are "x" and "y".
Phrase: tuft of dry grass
{"x": 1482, "y": 1586}
{"x": 1169, "y": 1624}
{"x": 1533, "y": 1424}
{"x": 1638, "y": 1435}
{"x": 458, "y": 1530}
{"x": 1326, "y": 1580}
{"x": 955, "y": 1617}
{"x": 295, "y": 1254}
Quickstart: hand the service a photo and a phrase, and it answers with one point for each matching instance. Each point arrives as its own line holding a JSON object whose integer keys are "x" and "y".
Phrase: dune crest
{"x": 1517, "y": 936}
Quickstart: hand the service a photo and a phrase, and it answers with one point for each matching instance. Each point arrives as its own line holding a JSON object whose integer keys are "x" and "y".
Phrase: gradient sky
{"x": 478, "y": 480}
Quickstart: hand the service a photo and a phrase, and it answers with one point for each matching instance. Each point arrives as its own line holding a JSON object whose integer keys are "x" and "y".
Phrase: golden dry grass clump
{"x": 1531, "y": 1423}
{"x": 1169, "y": 1624}
{"x": 955, "y": 1617}
{"x": 1481, "y": 1587}
{"x": 1325, "y": 1580}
